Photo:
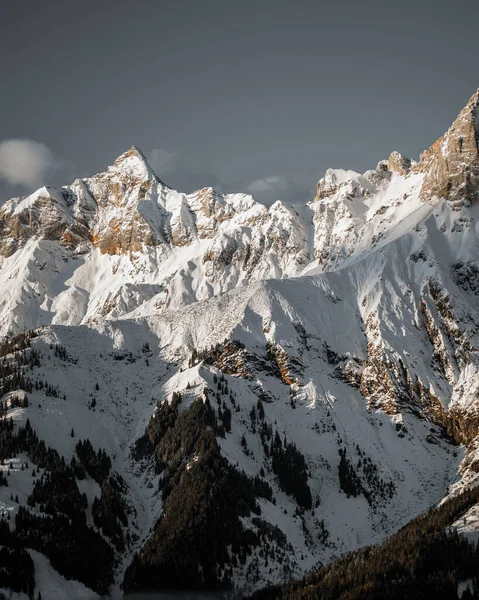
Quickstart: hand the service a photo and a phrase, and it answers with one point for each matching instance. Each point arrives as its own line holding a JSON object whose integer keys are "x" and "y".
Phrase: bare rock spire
{"x": 452, "y": 163}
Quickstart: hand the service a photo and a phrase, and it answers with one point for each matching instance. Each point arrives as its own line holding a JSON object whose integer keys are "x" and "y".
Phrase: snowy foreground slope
{"x": 326, "y": 358}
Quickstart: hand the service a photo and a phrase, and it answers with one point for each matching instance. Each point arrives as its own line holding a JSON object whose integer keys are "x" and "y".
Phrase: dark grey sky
{"x": 233, "y": 92}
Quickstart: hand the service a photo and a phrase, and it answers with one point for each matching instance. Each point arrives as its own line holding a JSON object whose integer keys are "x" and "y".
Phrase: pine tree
{"x": 260, "y": 408}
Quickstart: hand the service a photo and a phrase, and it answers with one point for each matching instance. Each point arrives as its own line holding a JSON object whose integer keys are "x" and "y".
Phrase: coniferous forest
{"x": 204, "y": 500}
{"x": 57, "y": 524}
{"x": 425, "y": 559}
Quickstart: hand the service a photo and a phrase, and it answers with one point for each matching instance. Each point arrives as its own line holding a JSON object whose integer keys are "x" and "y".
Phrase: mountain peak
{"x": 134, "y": 163}
{"x": 133, "y": 151}
{"x": 332, "y": 180}
{"x": 397, "y": 163}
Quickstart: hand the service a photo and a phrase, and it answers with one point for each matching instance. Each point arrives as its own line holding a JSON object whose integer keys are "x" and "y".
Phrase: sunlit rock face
{"x": 451, "y": 165}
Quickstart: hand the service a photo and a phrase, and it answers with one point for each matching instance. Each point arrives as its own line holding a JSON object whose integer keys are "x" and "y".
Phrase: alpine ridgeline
{"x": 200, "y": 392}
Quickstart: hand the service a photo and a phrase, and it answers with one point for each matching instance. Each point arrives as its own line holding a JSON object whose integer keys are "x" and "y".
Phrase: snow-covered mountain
{"x": 320, "y": 360}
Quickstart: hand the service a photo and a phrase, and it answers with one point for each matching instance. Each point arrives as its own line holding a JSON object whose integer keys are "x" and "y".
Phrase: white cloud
{"x": 267, "y": 185}
{"x": 186, "y": 174}
{"x": 25, "y": 162}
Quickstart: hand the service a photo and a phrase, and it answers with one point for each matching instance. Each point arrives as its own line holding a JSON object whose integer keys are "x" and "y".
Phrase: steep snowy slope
{"x": 142, "y": 251}
{"x": 320, "y": 413}
{"x": 106, "y": 245}
{"x": 320, "y": 360}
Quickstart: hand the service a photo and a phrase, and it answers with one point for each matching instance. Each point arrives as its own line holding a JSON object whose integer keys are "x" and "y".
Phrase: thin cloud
{"x": 276, "y": 187}
{"x": 181, "y": 172}
{"x": 25, "y": 162}
{"x": 186, "y": 175}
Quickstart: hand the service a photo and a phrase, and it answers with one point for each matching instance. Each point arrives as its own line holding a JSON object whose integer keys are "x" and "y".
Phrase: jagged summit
{"x": 134, "y": 164}
{"x": 132, "y": 152}
{"x": 332, "y": 180}
{"x": 397, "y": 163}
{"x": 232, "y": 239}
{"x": 129, "y": 209}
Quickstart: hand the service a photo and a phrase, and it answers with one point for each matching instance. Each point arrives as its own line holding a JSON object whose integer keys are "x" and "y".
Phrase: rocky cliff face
{"x": 45, "y": 214}
{"x": 451, "y": 165}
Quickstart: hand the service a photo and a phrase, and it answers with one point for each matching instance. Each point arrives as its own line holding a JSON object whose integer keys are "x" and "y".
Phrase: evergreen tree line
{"x": 17, "y": 570}
{"x": 60, "y": 352}
{"x": 374, "y": 488}
{"x": 13, "y": 374}
{"x": 96, "y": 464}
{"x": 16, "y": 356}
{"x": 204, "y": 498}
{"x": 56, "y": 491}
{"x": 164, "y": 417}
{"x": 287, "y": 462}
{"x": 290, "y": 467}
{"x": 349, "y": 481}
{"x": 110, "y": 510}
{"x": 425, "y": 559}
{"x": 75, "y": 550}
{"x": 15, "y": 401}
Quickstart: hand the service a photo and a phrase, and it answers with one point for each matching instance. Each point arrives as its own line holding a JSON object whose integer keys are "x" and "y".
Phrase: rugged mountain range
{"x": 236, "y": 393}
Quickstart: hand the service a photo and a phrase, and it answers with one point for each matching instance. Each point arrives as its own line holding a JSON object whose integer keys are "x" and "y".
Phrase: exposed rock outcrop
{"x": 451, "y": 164}
{"x": 397, "y": 163}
